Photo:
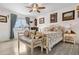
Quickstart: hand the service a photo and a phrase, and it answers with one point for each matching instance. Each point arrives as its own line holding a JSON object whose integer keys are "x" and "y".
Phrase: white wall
{"x": 74, "y": 23}
{"x": 4, "y": 27}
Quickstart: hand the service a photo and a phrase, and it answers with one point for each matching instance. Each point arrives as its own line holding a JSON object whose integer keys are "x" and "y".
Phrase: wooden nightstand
{"x": 69, "y": 37}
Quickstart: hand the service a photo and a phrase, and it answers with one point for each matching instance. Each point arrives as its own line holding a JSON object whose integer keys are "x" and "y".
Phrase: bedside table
{"x": 69, "y": 37}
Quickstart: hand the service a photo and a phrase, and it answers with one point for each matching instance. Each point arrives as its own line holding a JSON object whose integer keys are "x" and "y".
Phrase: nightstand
{"x": 69, "y": 37}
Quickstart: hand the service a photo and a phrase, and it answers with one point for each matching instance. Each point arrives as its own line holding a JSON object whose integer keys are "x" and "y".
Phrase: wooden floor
{"x": 10, "y": 48}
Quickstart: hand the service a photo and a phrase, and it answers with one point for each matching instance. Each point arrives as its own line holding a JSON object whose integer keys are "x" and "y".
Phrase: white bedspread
{"x": 53, "y": 38}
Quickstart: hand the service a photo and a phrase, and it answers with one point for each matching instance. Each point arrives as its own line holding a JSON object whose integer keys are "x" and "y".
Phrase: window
{"x": 20, "y": 23}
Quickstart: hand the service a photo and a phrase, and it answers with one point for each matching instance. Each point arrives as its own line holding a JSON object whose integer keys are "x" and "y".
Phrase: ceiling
{"x": 21, "y": 7}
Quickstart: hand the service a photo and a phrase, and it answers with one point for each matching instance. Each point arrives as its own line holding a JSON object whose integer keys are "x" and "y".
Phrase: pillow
{"x": 33, "y": 32}
{"x": 52, "y": 29}
{"x": 38, "y": 35}
{"x": 26, "y": 33}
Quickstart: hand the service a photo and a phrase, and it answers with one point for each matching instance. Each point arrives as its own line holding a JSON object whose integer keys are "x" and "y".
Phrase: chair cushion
{"x": 27, "y": 39}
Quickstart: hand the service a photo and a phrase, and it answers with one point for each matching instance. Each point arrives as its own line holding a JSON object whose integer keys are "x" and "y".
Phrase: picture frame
{"x": 53, "y": 18}
{"x": 70, "y": 15}
{"x": 41, "y": 20}
{"x": 3, "y": 18}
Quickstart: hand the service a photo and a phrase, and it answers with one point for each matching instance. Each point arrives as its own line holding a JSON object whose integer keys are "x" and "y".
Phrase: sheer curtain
{"x": 28, "y": 22}
{"x": 21, "y": 23}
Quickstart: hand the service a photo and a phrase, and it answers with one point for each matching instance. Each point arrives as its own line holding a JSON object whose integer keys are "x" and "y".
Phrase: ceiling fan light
{"x": 34, "y": 9}
{"x": 35, "y": 5}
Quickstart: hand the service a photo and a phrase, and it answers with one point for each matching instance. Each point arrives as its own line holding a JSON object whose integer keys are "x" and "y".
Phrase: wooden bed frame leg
{"x": 32, "y": 50}
{"x": 47, "y": 51}
{"x": 41, "y": 48}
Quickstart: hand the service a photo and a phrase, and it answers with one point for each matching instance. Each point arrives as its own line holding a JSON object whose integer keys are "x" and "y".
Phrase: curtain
{"x": 12, "y": 24}
{"x": 28, "y": 21}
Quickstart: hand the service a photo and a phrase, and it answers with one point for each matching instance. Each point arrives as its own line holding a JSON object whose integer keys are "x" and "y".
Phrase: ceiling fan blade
{"x": 41, "y": 7}
{"x": 30, "y": 10}
{"x": 38, "y": 11}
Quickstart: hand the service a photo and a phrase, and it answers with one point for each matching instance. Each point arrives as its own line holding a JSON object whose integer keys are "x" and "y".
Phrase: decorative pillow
{"x": 38, "y": 35}
{"x": 52, "y": 29}
{"x": 26, "y": 33}
{"x": 33, "y": 32}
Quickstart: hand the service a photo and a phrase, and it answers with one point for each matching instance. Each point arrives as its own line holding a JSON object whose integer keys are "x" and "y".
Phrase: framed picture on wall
{"x": 53, "y": 18}
{"x": 3, "y": 18}
{"x": 70, "y": 15}
{"x": 41, "y": 20}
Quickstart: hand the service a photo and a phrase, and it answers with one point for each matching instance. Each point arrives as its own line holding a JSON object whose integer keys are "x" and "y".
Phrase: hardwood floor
{"x": 10, "y": 48}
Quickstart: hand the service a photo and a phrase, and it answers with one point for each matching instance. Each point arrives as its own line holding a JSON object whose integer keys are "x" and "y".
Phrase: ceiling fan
{"x": 35, "y": 7}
